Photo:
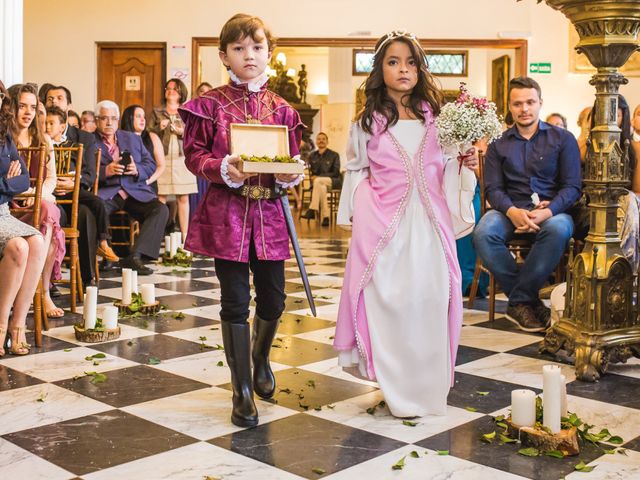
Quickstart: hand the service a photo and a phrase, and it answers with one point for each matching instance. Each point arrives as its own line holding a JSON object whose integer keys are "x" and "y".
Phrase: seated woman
{"x": 21, "y": 246}
{"x": 134, "y": 120}
{"x": 26, "y": 130}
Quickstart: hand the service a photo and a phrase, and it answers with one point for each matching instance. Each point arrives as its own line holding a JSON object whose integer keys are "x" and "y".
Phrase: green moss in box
{"x": 267, "y": 159}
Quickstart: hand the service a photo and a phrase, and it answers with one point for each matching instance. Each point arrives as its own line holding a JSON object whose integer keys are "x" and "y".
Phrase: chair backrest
{"x": 97, "y": 180}
{"x": 29, "y": 155}
{"x": 68, "y": 167}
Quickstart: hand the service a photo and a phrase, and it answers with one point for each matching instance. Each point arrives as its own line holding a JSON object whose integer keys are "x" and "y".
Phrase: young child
{"x": 239, "y": 231}
{"x": 400, "y": 312}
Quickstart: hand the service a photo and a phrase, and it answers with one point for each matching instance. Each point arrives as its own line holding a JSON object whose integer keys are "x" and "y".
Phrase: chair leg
{"x": 73, "y": 267}
{"x": 45, "y": 317}
{"x": 37, "y": 314}
{"x": 473, "y": 288}
{"x": 492, "y": 298}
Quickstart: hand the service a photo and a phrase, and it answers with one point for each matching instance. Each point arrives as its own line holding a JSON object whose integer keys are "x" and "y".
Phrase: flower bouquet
{"x": 467, "y": 120}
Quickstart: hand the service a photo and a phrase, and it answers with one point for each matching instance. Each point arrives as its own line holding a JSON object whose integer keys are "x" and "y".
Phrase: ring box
{"x": 260, "y": 141}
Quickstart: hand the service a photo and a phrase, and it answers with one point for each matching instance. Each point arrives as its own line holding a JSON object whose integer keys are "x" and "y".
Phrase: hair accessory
{"x": 397, "y": 34}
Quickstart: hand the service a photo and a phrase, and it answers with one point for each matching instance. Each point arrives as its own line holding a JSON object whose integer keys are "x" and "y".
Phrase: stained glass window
{"x": 441, "y": 63}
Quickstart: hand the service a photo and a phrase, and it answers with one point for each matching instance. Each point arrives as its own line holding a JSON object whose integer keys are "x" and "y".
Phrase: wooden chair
{"x": 304, "y": 191}
{"x": 64, "y": 167}
{"x": 334, "y": 202}
{"x": 517, "y": 247}
{"x": 30, "y": 154}
{"x": 128, "y": 224}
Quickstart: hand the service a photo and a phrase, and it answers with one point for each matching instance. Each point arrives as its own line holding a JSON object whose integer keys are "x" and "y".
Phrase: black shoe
{"x": 325, "y": 222}
{"x": 525, "y": 318}
{"x": 134, "y": 263}
{"x": 309, "y": 214}
{"x": 237, "y": 342}
{"x": 107, "y": 266}
{"x": 542, "y": 313}
{"x": 54, "y": 292}
{"x": 264, "y": 382}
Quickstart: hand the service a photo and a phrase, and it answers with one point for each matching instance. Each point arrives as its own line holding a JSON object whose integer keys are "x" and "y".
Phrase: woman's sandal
{"x": 3, "y": 341}
{"x": 17, "y": 347}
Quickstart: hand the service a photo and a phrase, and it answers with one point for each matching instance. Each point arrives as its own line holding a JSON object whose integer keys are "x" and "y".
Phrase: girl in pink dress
{"x": 400, "y": 312}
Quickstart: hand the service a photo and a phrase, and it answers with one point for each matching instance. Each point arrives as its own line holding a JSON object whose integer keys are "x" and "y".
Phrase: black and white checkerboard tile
{"x": 163, "y": 410}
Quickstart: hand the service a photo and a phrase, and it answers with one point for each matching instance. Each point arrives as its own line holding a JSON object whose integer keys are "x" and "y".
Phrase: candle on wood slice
{"x": 134, "y": 281}
{"x": 89, "y": 308}
{"x": 148, "y": 293}
{"x": 174, "y": 245}
{"x": 126, "y": 286}
{"x": 551, "y": 400}
{"x": 523, "y": 408}
{"x": 110, "y": 317}
{"x": 167, "y": 244}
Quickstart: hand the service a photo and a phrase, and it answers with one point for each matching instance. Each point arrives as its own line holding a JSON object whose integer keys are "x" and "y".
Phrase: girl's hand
{"x": 29, "y": 201}
{"x": 285, "y": 177}
{"x": 470, "y": 158}
{"x": 234, "y": 174}
{"x": 14, "y": 169}
{"x": 164, "y": 123}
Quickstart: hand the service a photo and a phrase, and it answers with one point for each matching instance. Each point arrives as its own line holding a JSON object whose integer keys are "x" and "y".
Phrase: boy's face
{"x": 247, "y": 58}
{"x": 54, "y": 127}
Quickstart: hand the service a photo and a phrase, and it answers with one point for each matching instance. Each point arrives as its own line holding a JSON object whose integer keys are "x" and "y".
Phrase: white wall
{"x": 60, "y": 36}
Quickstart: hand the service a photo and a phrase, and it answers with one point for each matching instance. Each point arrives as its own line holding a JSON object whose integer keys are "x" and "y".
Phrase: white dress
{"x": 409, "y": 338}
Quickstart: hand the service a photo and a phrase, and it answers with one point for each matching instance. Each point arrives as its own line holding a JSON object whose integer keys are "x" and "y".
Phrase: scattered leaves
{"x": 93, "y": 357}
{"x": 179, "y": 316}
{"x": 414, "y": 454}
{"x": 488, "y": 437}
{"x": 220, "y": 364}
{"x": 506, "y": 439}
{"x": 483, "y": 394}
{"x": 372, "y": 410}
{"x": 97, "y": 377}
{"x": 153, "y": 361}
{"x": 554, "y": 454}
{"x": 529, "y": 452}
{"x": 442, "y": 452}
{"x": 583, "y": 467}
{"x": 471, "y": 409}
{"x": 399, "y": 465}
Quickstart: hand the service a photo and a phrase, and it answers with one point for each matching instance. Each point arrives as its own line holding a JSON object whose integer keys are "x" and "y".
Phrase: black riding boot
{"x": 236, "y": 338}
{"x": 264, "y": 383}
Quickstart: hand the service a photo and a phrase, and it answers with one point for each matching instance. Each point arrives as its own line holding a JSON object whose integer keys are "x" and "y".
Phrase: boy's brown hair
{"x": 242, "y": 25}
{"x": 57, "y": 111}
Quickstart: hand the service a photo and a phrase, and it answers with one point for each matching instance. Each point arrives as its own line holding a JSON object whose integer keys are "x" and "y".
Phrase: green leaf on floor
{"x": 506, "y": 439}
{"x": 414, "y": 454}
{"x": 529, "y": 452}
{"x": 96, "y": 377}
{"x": 483, "y": 394}
{"x": 67, "y": 349}
{"x": 311, "y": 383}
{"x": 471, "y": 409}
{"x": 488, "y": 437}
{"x": 319, "y": 471}
{"x": 616, "y": 440}
{"x": 583, "y": 467}
{"x": 399, "y": 465}
{"x": 93, "y": 357}
{"x": 554, "y": 454}
{"x": 178, "y": 316}
{"x": 220, "y": 364}
{"x": 153, "y": 361}
{"x": 42, "y": 397}
{"x": 285, "y": 390}
{"x": 202, "y": 339}
{"x": 408, "y": 423}
{"x": 442, "y": 452}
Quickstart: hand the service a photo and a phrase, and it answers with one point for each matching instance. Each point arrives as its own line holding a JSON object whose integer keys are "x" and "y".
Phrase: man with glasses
{"x": 124, "y": 167}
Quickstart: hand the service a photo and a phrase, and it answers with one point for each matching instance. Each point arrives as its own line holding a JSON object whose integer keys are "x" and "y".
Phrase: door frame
{"x": 100, "y": 46}
{"x": 519, "y": 45}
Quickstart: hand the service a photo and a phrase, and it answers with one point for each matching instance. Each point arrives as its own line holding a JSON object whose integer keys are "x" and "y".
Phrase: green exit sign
{"x": 540, "y": 67}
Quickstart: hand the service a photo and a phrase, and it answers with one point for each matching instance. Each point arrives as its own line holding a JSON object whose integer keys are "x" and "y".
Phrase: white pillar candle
{"x": 126, "y": 286}
{"x": 89, "y": 308}
{"x": 174, "y": 245}
{"x": 134, "y": 281}
{"x": 148, "y": 293}
{"x": 551, "y": 400}
{"x": 167, "y": 244}
{"x": 563, "y": 396}
{"x": 523, "y": 408}
{"x": 110, "y": 317}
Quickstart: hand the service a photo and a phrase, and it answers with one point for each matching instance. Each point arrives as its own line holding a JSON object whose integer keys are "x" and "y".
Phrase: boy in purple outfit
{"x": 242, "y": 228}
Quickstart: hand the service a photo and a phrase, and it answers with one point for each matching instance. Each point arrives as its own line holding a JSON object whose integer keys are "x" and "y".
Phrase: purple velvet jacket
{"x": 224, "y": 224}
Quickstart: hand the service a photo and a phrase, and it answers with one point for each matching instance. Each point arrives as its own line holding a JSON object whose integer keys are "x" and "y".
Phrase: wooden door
{"x": 132, "y": 73}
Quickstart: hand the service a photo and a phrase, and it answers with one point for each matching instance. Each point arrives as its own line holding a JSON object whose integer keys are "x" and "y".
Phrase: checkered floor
{"x": 163, "y": 409}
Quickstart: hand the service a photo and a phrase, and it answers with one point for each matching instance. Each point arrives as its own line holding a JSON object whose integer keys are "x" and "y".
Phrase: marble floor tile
{"x": 169, "y": 321}
{"x": 182, "y": 301}
{"x": 297, "y": 351}
{"x": 145, "y": 349}
{"x": 197, "y": 461}
{"x": 353, "y": 412}
{"x": 612, "y": 467}
{"x": 61, "y": 364}
{"x": 17, "y": 463}
{"x": 11, "y": 379}
{"x": 208, "y": 292}
{"x": 630, "y": 369}
{"x": 331, "y": 368}
{"x": 129, "y": 386}
{"x": 210, "y": 311}
{"x": 321, "y": 281}
{"x": 43, "y": 404}
{"x": 513, "y": 369}
{"x": 469, "y": 354}
{"x": 617, "y": 389}
{"x": 300, "y": 443}
{"x": 94, "y": 442}
{"x": 328, "y": 269}
{"x": 293, "y": 324}
{"x": 322, "y": 336}
{"x": 495, "y": 340}
{"x": 202, "y": 414}
{"x": 326, "y": 312}
{"x": 428, "y": 466}
{"x": 116, "y": 293}
{"x": 474, "y": 317}
{"x": 184, "y": 286}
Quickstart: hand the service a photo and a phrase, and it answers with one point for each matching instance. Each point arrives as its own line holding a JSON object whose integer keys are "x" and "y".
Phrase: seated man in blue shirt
{"x": 532, "y": 177}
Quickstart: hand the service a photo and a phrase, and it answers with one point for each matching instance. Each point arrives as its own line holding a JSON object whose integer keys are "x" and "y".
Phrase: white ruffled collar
{"x": 255, "y": 85}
